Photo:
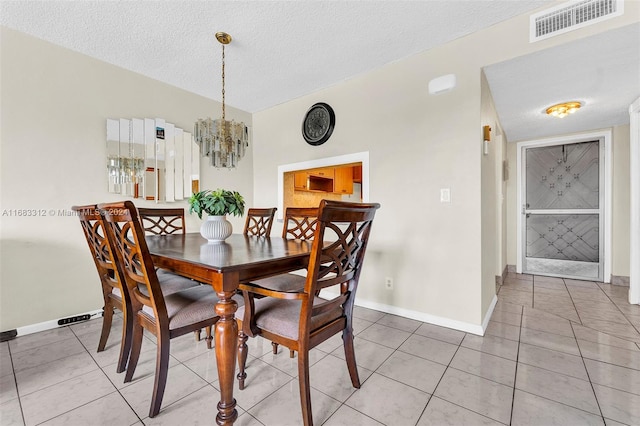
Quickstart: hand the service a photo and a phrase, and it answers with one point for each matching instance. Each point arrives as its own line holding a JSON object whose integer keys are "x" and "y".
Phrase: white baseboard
{"x": 421, "y": 316}
{"x": 48, "y": 325}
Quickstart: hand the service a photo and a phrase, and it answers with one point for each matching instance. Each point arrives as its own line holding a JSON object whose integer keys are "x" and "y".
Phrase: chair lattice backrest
{"x": 339, "y": 245}
{"x": 127, "y": 237}
{"x": 259, "y": 222}
{"x": 162, "y": 221}
{"x": 300, "y": 223}
{"x": 94, "y": 232}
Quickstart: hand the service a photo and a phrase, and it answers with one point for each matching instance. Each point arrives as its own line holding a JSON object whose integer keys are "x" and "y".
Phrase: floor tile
{"x": 591, "y": 335}
{"x": 367, "y": 314}
{"x": 613, "y": 376}
{"x": 443, "y": 413}
{"x": 10, "y": 413}
{"x": 195, "y": 408}
{"x": 330, "y": 375}
{"x": 262, "y": 379}
{"x": 520, "y": 285}
{"x": 180, "y": 382}
{"x": 610, "y": 354}
{"x": 282, "y": 407}
{"x": 507, "y": 318}
{"x": 109, "y": 410}
{"x": 625, "y": 331}
{"x": 35, "y": 356}
{"x": 384, "y": 335}
{"x": 50, "y": 402}
{"x": 492, "y": 345}
{"x": 560, "y": 362}
{"x": 8, "y": 390}
{"x": 448, "y": 335}
{"x": 369, "y": 355}
{"x": 617, "y": 405}
{"x": 557, "y": 387}
{"x": 411, "y": 370}
{"x": 508, "y": 307}
{"x": 388, "y": 401}
{"x": 330, "y": 344}
{"x": 480, "y": 395}
{"x": 36, "y": 340}
{"x": 485, "y": 365}
{"x": 359, "y": 325}
{"x": 348, "y": 416}
{"x": 283, "y": 362}
{"x": 146, "y": 368}
{"x": 552, "y": 341}
{"x": 404, "y": 324}
{"x": 500, "y": 329}
{"x": 46, "y": 374}
{"x": 427, "y": 348}
{"x": 556, "y": 326}
{"x": 532, "y": 410}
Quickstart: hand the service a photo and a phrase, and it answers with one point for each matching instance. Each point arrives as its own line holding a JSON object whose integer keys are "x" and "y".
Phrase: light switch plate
{"x": 445, "y": 195}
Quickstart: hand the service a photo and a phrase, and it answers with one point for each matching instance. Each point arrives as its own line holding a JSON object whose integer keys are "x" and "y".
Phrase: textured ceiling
{"x": 282, "y": 50}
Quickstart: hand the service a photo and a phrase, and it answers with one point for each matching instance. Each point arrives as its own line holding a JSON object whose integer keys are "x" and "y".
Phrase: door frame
{"x": 603, "y": 135}
{"x": 634, "y": 171}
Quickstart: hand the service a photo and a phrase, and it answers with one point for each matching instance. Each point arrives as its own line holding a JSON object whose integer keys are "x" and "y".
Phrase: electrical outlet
{"x": 388, "y": 283}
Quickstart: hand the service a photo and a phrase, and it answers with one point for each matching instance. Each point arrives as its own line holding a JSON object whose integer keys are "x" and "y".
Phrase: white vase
{"x": 216, "y": 229}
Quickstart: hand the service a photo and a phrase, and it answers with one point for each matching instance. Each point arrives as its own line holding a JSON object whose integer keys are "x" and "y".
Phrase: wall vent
{"x": 572, "y": 15}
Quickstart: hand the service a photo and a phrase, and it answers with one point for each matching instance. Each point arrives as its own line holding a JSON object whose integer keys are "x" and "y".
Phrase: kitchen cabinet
{"x": 343, "y": 180}
{"x": 325, "y": 173}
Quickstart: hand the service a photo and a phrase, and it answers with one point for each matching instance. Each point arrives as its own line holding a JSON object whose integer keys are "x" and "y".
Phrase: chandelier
{"x": 224, "y": 142}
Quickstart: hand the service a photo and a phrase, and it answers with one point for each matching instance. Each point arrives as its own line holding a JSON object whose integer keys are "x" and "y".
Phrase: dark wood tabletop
{"x": 239, "y": 259}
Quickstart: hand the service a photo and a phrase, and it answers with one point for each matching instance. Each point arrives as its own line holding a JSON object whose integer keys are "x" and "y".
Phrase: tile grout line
{"x": 515, "y": 374}
{"x": 620, "y": 310}
{"x": 15, "y": 381}
{"x": 595, "y": 396}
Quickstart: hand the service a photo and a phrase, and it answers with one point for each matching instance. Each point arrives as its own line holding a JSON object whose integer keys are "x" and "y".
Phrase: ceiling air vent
{"x": 572, "y": 15}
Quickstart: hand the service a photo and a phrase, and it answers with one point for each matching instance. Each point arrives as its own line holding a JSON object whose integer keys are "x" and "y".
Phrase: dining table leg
{"x": 226, "y": 344}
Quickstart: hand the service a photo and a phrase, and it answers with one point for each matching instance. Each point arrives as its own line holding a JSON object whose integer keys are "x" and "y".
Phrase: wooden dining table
{"x": 225, "y": 265}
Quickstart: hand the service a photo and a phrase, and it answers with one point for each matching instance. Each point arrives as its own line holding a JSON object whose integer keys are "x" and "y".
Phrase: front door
{"x": 563, "y": 210}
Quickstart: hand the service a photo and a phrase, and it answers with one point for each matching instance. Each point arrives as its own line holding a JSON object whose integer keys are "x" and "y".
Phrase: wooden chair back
{"x": 300, "y": 223}
{"x": 113, "y": 289}
{"x": 127, "y": 237}
{"x": 259, "y": 222}
{"x": 338, "y": 264}
{"x": 162, "y": 221}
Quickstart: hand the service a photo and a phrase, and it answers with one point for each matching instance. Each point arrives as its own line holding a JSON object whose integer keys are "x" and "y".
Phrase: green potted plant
{"x": 217, "y": 205}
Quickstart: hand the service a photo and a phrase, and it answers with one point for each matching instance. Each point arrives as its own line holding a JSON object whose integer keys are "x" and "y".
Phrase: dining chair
{"x": 161, "y": 221}
{"x": 259, "y": 222}
{"x": 299, "y": 224}
{"x": 165, "y": 316}
{"x": 113, "y": 292}
{"x": 302, "y": 320}
{"x": 167, "y": 221}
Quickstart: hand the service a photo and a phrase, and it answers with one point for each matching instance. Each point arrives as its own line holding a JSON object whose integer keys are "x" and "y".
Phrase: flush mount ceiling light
{"x": 563, "y": 109}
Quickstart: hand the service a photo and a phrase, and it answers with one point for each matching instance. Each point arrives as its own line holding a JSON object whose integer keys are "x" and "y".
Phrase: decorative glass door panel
{"x": 563, "y": 217}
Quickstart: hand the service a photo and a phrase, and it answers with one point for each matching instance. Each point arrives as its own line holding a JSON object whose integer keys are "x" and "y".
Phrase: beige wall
{"x": 52, "y": 140}
{"x": 491, "y": 204}
{"x": 620, "y": 201}
{"x": 417, "y": 145}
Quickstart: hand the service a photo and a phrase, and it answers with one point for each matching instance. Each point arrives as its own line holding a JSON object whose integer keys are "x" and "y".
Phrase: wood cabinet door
{"x": 343, "y": 181}
{"x": 300, "y": 180}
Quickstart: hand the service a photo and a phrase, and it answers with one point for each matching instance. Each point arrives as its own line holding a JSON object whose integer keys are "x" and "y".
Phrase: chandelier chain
{"x": 223, "y": 109}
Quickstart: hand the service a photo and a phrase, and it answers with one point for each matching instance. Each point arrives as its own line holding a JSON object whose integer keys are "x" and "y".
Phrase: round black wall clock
{"x": 318, "y": 124}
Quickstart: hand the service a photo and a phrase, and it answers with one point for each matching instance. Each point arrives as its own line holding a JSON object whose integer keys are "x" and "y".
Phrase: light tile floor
{"x": 556, "y": 352}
